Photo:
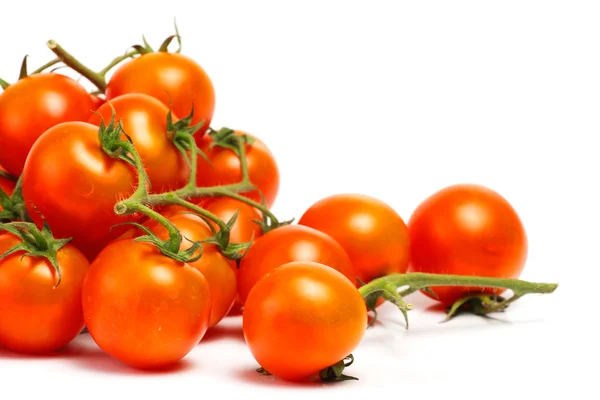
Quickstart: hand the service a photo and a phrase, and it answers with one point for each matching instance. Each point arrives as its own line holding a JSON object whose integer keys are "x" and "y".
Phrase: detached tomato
{"x": 225, "y": 168}
{"x": 144, "y": 120}
{"x": 370, "y": 231}
{"x": 36, "y": 316}
{"x": 214, "y": 266}
{"x": 143, "y": 308}
{"x": 467, "y": 230}
{"x": 173, "y": 79}
{"x": 32, "y": 105}
{"x": 6, "y": 185}
{"x": 302, "y": 318}
{"x": 75, "y": 185}
{"x": 287, "y": 244}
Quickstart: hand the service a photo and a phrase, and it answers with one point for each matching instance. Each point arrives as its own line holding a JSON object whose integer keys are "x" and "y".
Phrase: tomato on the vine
{"x": 36, "y": 316}
{"x": 370, "y": 231}
{"x": 302, "y": 318}
{"x": 74, "y": 184}
{"x": 225, "y": 168}
{"x": 174, "y": 79}
{"x": 143, "y": 308}
{"x": 144, "y": 120}
{"x": 287, "y": 244}
{"x": 466, "y": 229}
{"x": 214, "y": 266}
{"x": 31, "y": 106}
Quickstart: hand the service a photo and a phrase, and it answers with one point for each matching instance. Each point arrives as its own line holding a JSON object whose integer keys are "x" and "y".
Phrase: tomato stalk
{"x": 387, "y": 287}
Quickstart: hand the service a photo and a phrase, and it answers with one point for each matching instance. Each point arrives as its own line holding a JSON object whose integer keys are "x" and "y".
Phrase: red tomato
{"x": 287, "y": 244}
{"x": 6, "y": 185}
{"x": 36, "y": 316}
{"x": 302, "y": 318}
{"x": 75, "y": 186}
{"x": 144, "y": 120}
{"x": 370, "y": 231}
{"x": 143, "y": 308}
{"x": 213, "y": 265}
{"x": 244, "y": 230}
{"x": 32, "y": 105}
{"x": 467, "y": 230}
{"x": 171, "y": 78}
{"x": 97, "y": 102}
{"x": 225, "y": 168}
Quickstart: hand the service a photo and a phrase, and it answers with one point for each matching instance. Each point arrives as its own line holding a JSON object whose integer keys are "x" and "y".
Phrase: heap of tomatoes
{"x": 295, "y": 283}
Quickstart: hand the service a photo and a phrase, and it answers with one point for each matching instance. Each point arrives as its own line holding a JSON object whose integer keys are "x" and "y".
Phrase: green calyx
{"x": 13, "y": 207}
{"x": 335, "y": 373}
{"x": 227, "y": 138}
{"x": 36, "y": 243}
{"x": 23, "y": 71}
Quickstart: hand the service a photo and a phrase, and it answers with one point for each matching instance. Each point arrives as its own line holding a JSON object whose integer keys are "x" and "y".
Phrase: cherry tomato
{"x": 214, "y": 266}
{"x": 467, "y": 230}
{"x": 370, "y": 231}
{"x": 6, "y": 185}
{"x": 287, "y": 244}
{"x": 75, "y": 185}
{"x": 301, "y": 318}
{"x": 174, "y": 79}
{"x": 225, "y": 168}
{"x": 36, "y": 316}
{"x": 244, "y": 230}
{"x": 143, "y": 308}
{"x": 32, "y": 105}
{"x": 144, "y": 120}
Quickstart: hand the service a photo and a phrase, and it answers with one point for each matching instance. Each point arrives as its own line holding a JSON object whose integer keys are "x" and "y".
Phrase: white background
{"x": 396, "y": 100}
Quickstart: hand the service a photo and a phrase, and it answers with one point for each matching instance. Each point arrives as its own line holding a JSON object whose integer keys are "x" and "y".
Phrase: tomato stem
{"x": 116, "y": 61}
{"x": 46, "y": 66}
{"x": 94, "y": 77}
{"x": 388, "y": 286}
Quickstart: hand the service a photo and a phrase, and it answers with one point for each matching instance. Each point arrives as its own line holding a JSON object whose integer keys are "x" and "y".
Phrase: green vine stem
{"x": 388, "y": 286}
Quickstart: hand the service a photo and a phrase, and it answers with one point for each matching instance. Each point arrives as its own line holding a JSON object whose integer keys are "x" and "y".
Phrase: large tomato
{"x": 467, "y": 230}
{"x": 32, "y": 105}
{"x": 225, "y": 168}
{"x": 36, "y": 316}
{"x": 143, "y": 308}
{"x": 372, "y": 233}
{"x": 6, "y": 185}
{"x": 287, "y": 244}
{"x": 75, "y": 185}
{"x": 144, "y": 120}
{"x": 302, "y": 318}
{"x": 176, "y": 80}
{"x": 214, "y": 266}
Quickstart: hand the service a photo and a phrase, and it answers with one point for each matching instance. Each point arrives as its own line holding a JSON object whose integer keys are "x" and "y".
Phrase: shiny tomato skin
{"x": 75, "y": 185}
{"x": 6, "y": 185}
{"x": 225, "y": 168}
{"x": 302, "y": 318}
{"x": 370, "y": 231}
{"x": 467, "y": 229}
{"x": 287, "y": 244}
{"x": 143, "y": 308}
{"x": 35, "y": 316}
{"x": 144, "y": 120}
{"x": 174, "y": 79}
{"x": 31, "y": 106}
{"x": 214, "y": 266}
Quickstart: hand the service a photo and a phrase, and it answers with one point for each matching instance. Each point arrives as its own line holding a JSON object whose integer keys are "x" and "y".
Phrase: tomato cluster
{"x": 146, "y": 226}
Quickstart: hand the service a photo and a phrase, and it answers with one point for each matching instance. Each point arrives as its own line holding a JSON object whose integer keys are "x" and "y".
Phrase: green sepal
{"x": 23, "y": 71}
{"x": 478, "y": 304}
{"x": 335, "y": 373}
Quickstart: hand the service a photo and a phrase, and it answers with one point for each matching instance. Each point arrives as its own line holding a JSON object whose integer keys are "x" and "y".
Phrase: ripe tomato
{"x": 286, "y": 244}
{"x": 75, "y": 186}
{"x": 36, "y": 316}
{"x": 32, "y": 105}
{"x": 466, "y": 230}
{"x": 244, "y": 230}
{"x": 143, "y": 308}
{"x": 144, "y": 120}
{"x": 6, "y": 184}
{"x": 171, "y": 78}
{"x": 225, "y": 168}
{"x": 370, "y": 231}
{"x": 214, "y": 266}
{"x": 302, "y": 318}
